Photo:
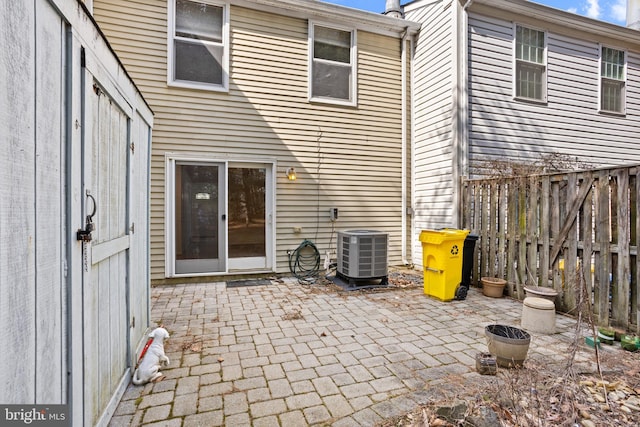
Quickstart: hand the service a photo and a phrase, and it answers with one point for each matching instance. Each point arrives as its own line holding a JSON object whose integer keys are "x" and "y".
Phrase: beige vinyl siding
{"x": 433, "y": 91}
{"x": 569, "y": 123}
{"x": 345, "y": 157}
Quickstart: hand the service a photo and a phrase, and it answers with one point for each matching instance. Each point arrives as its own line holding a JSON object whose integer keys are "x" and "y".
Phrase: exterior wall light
{"x": 291, "y": 174}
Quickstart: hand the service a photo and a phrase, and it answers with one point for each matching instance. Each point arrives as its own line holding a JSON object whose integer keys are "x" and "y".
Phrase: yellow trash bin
{"x": 442, "y": 261}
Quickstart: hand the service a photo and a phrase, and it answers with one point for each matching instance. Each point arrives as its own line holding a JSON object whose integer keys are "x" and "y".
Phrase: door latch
{"x": 84, "y": 234}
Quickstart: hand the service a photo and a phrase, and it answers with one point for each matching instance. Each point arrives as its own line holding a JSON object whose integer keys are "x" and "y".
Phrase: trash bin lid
{"x": 438, "y": 236}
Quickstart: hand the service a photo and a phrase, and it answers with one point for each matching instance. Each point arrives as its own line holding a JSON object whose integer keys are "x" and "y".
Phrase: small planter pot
{"x": 541, "y": 292}
{"x": 493, "y": 286}
{"x": 509, "y": 344}
{"x": 606, "y": 335}
{"x": 630, "y": 342}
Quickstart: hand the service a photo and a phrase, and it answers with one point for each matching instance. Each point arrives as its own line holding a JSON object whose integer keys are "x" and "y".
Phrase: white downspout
{"x": 404, "y": 113}
{"x": 464, "y": 152}
{"x": 460, "y": 131}
{"x": 403, "y": 108}
{"x": 412, "y": 158}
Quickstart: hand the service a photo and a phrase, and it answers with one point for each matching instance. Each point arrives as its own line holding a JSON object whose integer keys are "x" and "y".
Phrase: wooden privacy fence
{"x": 560, "y": 230}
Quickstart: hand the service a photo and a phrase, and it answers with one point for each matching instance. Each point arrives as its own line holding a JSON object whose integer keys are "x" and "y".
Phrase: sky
{"x": 614, "y": 11}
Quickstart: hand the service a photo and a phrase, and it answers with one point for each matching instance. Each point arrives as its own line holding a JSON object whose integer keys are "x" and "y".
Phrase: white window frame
{"x": 544, "y": 64}
{"x": 171, "y": 81}
{"x": 623, "y": 95}
{"x": 353, "y": 101}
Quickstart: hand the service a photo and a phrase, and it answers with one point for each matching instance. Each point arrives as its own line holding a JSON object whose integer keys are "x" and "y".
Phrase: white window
{"x": 530, "y": 64}
{"x": 612, "y": 80}
{"x": 332, "y": 63}
{"x": 198, "y": 44}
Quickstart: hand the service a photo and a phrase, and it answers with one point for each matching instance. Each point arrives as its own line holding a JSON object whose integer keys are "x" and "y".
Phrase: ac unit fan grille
{"x": 362, "y": 254}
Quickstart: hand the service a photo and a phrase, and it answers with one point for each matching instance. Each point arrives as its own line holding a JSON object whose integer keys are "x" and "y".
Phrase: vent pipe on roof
{"x": 393, "y": 9}
{"x": 633, "y": 14}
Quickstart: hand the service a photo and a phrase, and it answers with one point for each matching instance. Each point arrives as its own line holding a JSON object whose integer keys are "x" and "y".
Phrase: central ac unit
{"x": 362, "y": 254}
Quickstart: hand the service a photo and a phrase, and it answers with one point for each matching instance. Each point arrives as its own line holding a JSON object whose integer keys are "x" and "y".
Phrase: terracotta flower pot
{"x": 493, "y": 286}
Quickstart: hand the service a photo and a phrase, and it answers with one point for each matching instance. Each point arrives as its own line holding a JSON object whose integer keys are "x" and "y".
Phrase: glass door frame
{"x": 253, "y": 265}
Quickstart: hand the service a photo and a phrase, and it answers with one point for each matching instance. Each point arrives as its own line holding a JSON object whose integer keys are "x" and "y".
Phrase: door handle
{"x": 85, "y": 234}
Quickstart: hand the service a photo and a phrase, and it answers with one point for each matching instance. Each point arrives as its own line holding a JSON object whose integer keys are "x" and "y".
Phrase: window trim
{"x": 623, "y": 111}
{"x": 353, "y": 102}
{"x": 545, "y": 64}
{"x": 171, "y": 18}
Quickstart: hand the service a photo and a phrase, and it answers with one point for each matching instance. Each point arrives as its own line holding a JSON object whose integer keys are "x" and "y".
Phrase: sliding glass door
{"x": 199, "y": 218}
{"x": 220, "y": 217}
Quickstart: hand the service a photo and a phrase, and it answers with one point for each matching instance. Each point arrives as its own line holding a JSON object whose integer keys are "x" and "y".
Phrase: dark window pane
{"x": 198, "y": 63}
{"x": 529, "y": 81}
{"x": 611, "y": 97}
{"x": 331, "y": 52}
{"x": 247, "y": 200}
{"x": 330, "y": 80}
{"x": 196, "y": 212}
{"x": 332, "y": 45}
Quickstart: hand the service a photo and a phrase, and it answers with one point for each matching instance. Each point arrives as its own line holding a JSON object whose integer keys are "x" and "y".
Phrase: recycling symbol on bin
{"x": 454, "y": 250}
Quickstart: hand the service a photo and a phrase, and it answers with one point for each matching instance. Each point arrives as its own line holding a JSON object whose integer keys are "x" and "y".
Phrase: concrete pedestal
{"x": 538, "y": 315}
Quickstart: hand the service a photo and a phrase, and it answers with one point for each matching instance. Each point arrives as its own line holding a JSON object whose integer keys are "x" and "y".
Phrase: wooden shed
{"x": 74, "y": 156}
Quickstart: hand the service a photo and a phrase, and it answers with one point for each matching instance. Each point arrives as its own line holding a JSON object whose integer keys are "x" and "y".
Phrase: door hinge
{"x": 133, "y": 322}
{"x": 133, "y": 148}
{"x": 133, "y": 228}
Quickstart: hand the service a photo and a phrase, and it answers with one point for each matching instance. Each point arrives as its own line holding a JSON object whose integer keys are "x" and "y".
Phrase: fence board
{"x": 635, "y": 300}
{"x": 484, "y": 219}
{"x": 555, "y": 231}
{"x": 620, "y": 298}
{"x": 522, "y": 244}
{"x": 532, "y": 232}
{"x": 571, "y": 244}
{"x": 502, "y": 231}
{"x": 492, "y": 211}
{"x": 512, "y": 217}
{"x": 587, "y": 235}
{"x": 601, "y": 292}
{"x": 476, "y": 227}
{"x": 545, "y": 187}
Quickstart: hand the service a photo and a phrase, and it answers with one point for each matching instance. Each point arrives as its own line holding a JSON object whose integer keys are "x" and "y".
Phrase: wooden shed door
{"x": 105, "y": 263}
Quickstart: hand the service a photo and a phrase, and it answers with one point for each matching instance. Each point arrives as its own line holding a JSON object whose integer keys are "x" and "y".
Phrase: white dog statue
{"x": 153, "y": 359}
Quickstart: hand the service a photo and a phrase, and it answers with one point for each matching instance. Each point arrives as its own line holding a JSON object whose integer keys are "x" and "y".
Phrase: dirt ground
{"x": 534, "y": 395}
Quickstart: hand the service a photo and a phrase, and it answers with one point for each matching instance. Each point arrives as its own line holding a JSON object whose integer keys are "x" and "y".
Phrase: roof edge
{"x": 314, "y": 9}
{"x": 560, "y": 17}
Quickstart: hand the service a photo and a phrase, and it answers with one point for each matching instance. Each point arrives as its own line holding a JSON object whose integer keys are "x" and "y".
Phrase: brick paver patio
{"x": 288, "y": 354}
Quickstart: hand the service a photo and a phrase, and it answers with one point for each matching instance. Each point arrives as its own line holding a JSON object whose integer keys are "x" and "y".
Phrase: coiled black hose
{"x": 304, "y": 262}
